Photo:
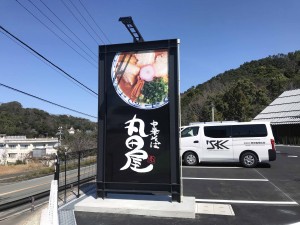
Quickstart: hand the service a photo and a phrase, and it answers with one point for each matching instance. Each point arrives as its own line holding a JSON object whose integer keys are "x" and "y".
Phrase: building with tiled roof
{"x": 284, "y": 115}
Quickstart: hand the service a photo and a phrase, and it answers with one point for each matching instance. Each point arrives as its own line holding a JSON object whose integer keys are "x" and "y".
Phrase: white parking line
{"x": 292, "y": 156}
{"x": 228, "y": 179}
{"x": 210, "y": 167}
{"x": 291, "y": 146}
{"x": 276, "y": 186}
{"x": 248, "y": 202}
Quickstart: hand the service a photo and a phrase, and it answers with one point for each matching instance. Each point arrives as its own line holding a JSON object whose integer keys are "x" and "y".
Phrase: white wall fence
{"x": 49, "y": 215}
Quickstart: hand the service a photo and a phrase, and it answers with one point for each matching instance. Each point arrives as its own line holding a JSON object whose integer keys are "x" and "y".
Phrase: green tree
{"x": 276, "y": 85}
{"x": 241, "y": 100}
{"x": 16, "y": 120}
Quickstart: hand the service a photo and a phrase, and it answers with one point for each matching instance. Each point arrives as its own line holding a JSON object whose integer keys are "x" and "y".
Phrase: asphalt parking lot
{"x": 268, "y": 194}
{"x": 269, "y": 184}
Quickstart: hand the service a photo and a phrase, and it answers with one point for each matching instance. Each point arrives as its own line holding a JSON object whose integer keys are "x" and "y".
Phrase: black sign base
{"x": 104, "y": 188}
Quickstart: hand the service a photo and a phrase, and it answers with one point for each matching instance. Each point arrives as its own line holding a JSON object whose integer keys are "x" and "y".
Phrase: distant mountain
{"x": 16, "y": 120}
{"x": 240, "y": 94}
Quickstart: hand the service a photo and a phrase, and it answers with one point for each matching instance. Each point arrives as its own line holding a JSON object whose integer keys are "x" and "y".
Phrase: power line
{"x": 86, "y": 21}
{"x": 68, "y": 28}
{"x": 44, "y": 14}
{"x": 55, "y": 33}
{"x": 44, "y": 61}
{"x": 48, "y": 61}
{"x": 44, "y": 100}
{"x": 79, "y": 21}
{"x": 61, "y": 30}
{"x": 55, "y": 69}
{"x": 94, "y": 21}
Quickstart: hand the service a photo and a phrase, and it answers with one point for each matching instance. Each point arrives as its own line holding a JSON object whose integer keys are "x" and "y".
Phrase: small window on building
{"x": 189, "y": 132}
{"x": 24, "y": 146}
{"x": 12, "y": 155}
{"x": 2, "y": 145}
{"x": 12, "y": 146}
{"x": 39, "y": 145}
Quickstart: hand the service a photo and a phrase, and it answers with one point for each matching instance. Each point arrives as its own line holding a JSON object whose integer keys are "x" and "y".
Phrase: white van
{"x": 247, "y": 143}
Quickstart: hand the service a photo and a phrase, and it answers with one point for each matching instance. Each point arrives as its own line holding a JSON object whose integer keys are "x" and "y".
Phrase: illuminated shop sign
{"x": 141, "y": 79}
{"x": 138, "y": 118}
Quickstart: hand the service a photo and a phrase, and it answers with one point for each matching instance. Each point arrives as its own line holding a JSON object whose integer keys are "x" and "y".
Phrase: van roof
{"x": 223, "y": 123}
{"x": 215, "y": 122}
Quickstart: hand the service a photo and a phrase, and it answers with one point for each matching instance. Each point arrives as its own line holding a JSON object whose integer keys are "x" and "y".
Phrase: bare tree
{"x": 80, "y": 141}
{"x": 3, "y": 156}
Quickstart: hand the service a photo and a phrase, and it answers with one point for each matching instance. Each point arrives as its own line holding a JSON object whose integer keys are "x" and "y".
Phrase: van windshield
{"x": 190, "y": 132}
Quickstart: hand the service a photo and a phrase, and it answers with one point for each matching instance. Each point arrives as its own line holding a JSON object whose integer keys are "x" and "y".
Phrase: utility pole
{"x": 59, "y": 135}
{"x": 212, "y": 112}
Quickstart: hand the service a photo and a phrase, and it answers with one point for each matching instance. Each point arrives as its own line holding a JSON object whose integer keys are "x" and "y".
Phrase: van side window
{"x": 255, "y": 130}
{"x": 217, "y": 131}
{"x": 190, "y": 132}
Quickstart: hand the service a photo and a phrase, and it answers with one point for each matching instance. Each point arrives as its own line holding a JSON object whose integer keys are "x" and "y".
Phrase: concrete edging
{"x": 185, "y": 209}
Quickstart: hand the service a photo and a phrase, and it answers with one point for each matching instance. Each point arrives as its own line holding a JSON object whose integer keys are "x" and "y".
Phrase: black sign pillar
{"x": 138, "y": 146}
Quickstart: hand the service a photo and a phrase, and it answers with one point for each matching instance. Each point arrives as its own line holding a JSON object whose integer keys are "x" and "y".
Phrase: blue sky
{"x": 216, "y": 36}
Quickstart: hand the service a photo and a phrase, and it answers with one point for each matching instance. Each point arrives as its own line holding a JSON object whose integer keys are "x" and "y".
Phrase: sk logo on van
{"x": 215, "y": 144}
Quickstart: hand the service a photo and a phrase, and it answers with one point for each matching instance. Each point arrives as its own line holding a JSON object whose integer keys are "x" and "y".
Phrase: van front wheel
{"x": 249, "y": 160}
{"x": 190, "y": 159}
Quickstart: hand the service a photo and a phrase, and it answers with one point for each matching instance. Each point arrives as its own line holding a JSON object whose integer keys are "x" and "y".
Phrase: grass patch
{"x": 24, "y": 171}
{"x": 20, "y": 168}
{"x": 20, "y": 172}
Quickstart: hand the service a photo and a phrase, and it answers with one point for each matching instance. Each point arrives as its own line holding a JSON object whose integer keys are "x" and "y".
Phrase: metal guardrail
{"x": 75, "y": 168}
{"x": 30, "y": 201}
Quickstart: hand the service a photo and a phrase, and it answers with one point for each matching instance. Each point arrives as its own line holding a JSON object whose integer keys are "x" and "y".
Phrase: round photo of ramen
{"x": 141, "y": 78}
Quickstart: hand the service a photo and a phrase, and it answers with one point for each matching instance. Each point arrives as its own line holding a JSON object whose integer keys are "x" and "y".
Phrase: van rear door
{"x": 217, "y": 143}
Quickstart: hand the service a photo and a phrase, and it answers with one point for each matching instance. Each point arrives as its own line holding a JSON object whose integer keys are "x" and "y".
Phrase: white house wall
{"x": 17, "y": 147}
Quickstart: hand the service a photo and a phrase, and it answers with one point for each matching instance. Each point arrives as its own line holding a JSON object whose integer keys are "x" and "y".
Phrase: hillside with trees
{"x": 16, "y": 120}
{"x": 240, "y": 94}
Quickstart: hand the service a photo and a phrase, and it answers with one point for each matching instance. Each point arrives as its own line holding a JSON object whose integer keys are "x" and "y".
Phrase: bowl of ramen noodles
{"x": 141, "y": 78}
